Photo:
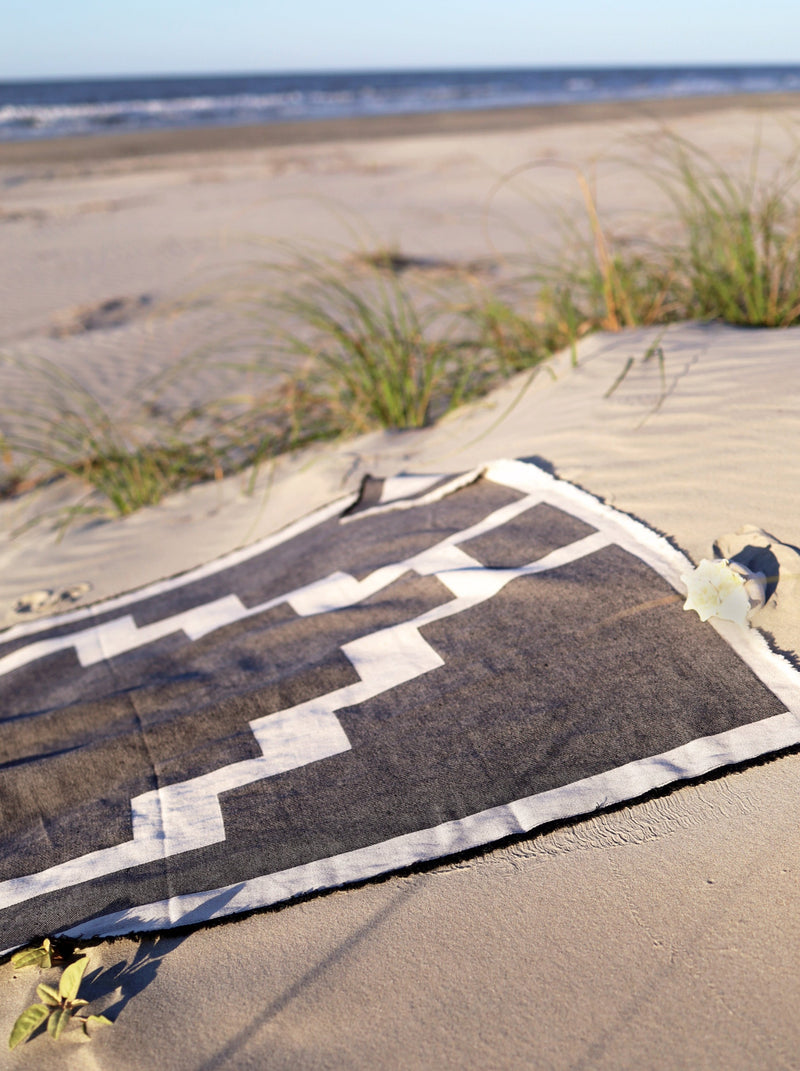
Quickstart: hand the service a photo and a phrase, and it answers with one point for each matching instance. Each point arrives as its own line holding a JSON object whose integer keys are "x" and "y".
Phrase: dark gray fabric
{"x": 526, "y": 537}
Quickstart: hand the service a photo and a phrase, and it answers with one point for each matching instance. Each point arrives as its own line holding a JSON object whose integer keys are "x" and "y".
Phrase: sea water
{"x": 104, "y": 105}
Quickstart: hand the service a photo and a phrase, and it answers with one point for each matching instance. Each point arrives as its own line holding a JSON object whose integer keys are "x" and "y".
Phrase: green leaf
{"x": 25, "y": 1025}
{"x": 47, "y": 954}
{"x": 71, "y": 979}
{"x": 28, "y": 957}
{"x": 95, "y": 1020}
{"x": 58, "y": 1020}
{"x": 48, "y": 994}
{"x": 77, "y": 1003}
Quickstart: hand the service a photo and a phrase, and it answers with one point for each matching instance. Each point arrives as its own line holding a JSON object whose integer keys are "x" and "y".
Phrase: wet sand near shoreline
{"x": 155, "y": 143}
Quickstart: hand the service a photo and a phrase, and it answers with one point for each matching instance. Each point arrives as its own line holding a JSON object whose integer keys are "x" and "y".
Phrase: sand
{"x": 660, "y": 935}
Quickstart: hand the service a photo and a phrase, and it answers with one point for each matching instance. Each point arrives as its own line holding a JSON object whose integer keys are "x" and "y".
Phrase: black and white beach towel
{"x": 433, "y": 667}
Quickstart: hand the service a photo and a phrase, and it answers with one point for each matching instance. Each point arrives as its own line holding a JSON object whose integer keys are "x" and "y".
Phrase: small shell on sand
{"x": 45, "y": 599}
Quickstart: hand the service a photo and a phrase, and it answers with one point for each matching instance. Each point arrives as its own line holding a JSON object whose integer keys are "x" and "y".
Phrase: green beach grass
{"x": 375, "y": 341}
{"x": 59, "y": 429}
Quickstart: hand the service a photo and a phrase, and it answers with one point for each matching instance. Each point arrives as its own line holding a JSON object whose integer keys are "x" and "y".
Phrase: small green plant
{"x": 57, "y": 1007}
{"x": 388, "y": 354}
{"x": 42, "y": 956}
{"x": 57, "y": 428}
{"x": 732, "y": 257}
{"x": 594, "y": 279}
{"x": 607, "y": 282}
{"x": 741, "y": 236}
{"x": 511, "y": 340}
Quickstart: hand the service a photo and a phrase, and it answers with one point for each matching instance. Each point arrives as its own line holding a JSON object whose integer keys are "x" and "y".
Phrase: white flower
{"x": 724, "y": 589}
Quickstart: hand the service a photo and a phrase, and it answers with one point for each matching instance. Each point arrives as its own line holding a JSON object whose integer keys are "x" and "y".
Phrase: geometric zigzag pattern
{"x": 185, "y": 816}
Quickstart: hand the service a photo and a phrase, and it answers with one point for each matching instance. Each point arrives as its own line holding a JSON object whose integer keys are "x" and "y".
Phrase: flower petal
{"x": 723, "y": 589}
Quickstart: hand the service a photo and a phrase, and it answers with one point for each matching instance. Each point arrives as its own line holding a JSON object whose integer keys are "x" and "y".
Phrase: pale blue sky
{"x": 48, "y": 38}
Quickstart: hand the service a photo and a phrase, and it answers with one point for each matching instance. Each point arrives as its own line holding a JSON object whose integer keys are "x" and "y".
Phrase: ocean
{"x": 105, "y": 105}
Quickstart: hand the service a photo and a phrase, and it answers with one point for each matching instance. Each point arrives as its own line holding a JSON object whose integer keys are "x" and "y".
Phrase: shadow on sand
{"x": 130, "y": 977}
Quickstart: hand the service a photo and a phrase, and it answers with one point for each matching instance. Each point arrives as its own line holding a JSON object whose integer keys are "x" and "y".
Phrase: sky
{"x": 74, "y": 38}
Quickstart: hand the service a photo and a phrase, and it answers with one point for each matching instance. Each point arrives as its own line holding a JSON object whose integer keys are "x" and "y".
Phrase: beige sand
{"x": 662, "y": 935}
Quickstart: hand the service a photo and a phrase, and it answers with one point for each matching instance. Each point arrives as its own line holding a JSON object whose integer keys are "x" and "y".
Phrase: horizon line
{"x": 411, "y": 69}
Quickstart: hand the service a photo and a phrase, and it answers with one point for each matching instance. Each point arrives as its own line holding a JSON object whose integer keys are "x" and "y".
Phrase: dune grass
{"x": 735, "y": 257}
{"x": 741, "y": 248}
{"x": 383, "y": 354}
{"x": 381, "y": 340}
{"x": 57, "y": 428}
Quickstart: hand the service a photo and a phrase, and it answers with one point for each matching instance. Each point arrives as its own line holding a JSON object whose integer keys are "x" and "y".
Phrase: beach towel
{"x": 433, "y": 665}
